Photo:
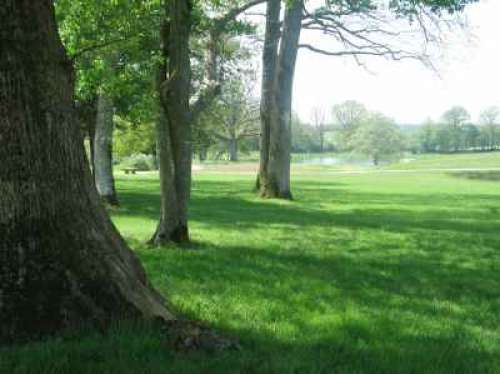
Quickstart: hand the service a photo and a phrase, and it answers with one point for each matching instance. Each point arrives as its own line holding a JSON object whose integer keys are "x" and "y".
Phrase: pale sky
{"x": 469, "y": 75}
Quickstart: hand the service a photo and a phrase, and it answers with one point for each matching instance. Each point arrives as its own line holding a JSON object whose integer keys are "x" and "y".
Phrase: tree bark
{"x": 91, "y": 134}
{"x": 212, "y": 54}
{"x": 87, "y": 113}
{"x": 233, "y": 149}
{"x": 170, "y": 227}
{"x": 278, "y": 164}
{"x": 179, "y": 116}
{"x": 175, "y": 126}
{"x": 103, "y": 151}
{"x": 269, "y": 60}
{"x": 62, "y": 262}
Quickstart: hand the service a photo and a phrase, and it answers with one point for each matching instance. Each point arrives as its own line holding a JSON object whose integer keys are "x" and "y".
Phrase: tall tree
{"x": 427, "y": 137}
{"x": 489, "y": 119}
{"x": 269, "y": 60}
{"x": 174, "y": 126}
{"x": 178, "y": 113}
{"x": 377, "y": 137}
{"x": 278, "y": 178}
{"x": 63, "y": 264}
{"x": 280, "y": 54}
{"x": 348, "y": 116}
{"x": 332, "y": 18}
{"x": 319, "y": 121}
{"x": 232, "y": 117}
{"x": 455, "y": 118}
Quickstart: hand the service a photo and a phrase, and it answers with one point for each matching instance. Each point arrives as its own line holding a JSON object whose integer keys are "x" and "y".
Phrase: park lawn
{"x": 360, "y": 274}
{"x": 309, "y": 164}
{"x": 480, "y": 160}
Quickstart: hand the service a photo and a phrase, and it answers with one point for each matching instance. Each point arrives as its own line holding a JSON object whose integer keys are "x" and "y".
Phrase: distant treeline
{"x": 454, "y": 132}
{"x": 449, "y": 138}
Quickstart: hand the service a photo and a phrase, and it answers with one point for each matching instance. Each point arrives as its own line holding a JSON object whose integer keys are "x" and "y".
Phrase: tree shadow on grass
{"x": 408, "y": 314}
{"x": 490, "y": 176}
{"x": 424, "y": 303}
{"x": 458, "y": 213}
{"x": 350, "y": 309}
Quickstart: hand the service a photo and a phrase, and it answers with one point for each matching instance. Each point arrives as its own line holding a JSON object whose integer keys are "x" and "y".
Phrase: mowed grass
{"x": 481, "y": 160}
{"x": 360, "y": 274}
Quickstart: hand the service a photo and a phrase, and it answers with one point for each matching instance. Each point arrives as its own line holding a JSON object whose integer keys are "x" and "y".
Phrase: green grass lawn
{"x": 482, "y": 160}
{"x": 361, "y": 274}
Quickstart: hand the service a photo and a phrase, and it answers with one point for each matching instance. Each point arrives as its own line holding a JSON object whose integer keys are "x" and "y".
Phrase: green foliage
{"x": 455, "y": 134}
{"x": 427, "y": 137}
{"x": 235, "y": 111}
{"x": 456, "y": 116}
{"x": 113, "y": 42}
{"x": 377, "y": 137}
{"x": 139, "y": 161}
{"x": 411, "y": 7}
{"x": 305, "y": 138}
{"x": 371, "y": 274}
{"x": 234, "y": 114}
{"x": 131, "y": 139}
{"x": 348, "y": 117}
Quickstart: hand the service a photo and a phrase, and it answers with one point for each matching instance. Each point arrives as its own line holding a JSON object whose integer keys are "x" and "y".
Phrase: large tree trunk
{"x": 175, "y": 127}
{"x": 278, "y": 168}
{"x": 269, "y": 60}
{"x": 62, "y": 262}
{"x": 170, "y": 226}
{"x": 103, "y": 151}
{"x": 179, "y": 112}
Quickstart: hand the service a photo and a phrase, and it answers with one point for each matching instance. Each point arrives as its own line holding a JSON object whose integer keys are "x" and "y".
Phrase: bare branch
{"x": 206, "y": 97}
{"x": 395, "y": 55}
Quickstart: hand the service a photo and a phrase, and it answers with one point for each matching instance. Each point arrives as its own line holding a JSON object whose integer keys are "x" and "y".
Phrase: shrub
{"x": 139, "y": 161}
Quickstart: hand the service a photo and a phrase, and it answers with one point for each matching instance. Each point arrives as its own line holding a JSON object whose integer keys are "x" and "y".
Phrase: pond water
{"x": 321, "y": 161}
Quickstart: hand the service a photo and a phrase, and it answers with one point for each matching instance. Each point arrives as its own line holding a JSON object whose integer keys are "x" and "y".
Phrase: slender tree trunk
{"x": 269, "y": 60}
{"x": 202, "y": 154}
{"x": 175, "y": 127}
{"x": 62, "y": 262}
{"x": 154, "y": 155}
{"x": 103, "y": 151}
{"x": 321, "y": 139}
{"x": 278, "y": 169}
{"x": 233, "y": 148}
{"x": 91, "y": 134}
{"x": 87, "y": 113}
